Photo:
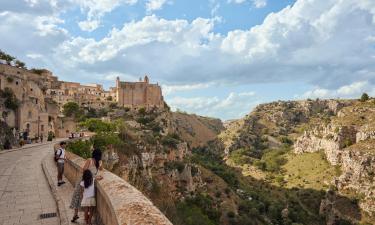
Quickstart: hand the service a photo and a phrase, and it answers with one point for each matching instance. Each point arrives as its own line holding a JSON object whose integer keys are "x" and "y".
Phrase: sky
{"x": 217, "y": 58}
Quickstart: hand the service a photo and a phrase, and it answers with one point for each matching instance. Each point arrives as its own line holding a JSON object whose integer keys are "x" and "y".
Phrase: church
{"x": 139, "y": 94}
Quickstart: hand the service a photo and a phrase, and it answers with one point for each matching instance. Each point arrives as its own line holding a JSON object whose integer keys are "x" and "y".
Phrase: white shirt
{"x": 62, "y": 156}
{"x": 88, "y": 192}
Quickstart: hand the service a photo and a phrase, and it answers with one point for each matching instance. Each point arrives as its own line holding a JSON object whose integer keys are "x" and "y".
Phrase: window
{"x": 31, "y": 89}
{"x": 30, "y": 115}
{"x": 28, "y": 126}
{"x": 16, "y": 82}
{"x": 42, "y": 128}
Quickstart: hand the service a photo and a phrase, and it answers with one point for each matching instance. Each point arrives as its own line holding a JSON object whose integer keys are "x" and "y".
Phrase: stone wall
{"x": 139, "y": 94}
{"x": 118, "y": 203}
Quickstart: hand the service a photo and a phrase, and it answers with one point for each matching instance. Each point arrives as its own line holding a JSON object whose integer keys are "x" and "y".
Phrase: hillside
{"x": 196, "y": 130}
{"x": 310, "y": 145}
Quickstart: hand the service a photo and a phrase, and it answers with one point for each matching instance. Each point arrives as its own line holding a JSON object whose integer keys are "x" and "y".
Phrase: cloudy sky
{"x": 212, "y": 57}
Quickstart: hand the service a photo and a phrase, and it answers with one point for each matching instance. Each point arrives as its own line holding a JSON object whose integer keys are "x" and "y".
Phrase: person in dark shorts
{"x": 60, "y": 156}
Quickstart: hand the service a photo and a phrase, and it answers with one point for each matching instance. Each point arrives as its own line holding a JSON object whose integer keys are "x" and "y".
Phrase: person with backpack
{"x": 60, "y": 160}
{"x": 88, "y": 195}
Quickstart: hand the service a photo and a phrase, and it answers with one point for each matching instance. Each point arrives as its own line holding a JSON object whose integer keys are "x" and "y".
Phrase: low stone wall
{"x": 118, "y": 203}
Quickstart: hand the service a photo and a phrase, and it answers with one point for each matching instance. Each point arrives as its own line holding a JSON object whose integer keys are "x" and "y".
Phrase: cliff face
{"x": 276, "y": 119}
{"x": 155, "y": 158}
{"x": 348, "y": 141}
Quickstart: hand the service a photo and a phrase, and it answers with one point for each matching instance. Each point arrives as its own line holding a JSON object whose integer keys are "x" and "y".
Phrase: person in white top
{"x": 60, "y": 159}
{"x": 88, "y": 195}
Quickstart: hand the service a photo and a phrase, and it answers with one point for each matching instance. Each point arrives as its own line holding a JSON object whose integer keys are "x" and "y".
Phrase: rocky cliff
{"x": 348, "y": 141}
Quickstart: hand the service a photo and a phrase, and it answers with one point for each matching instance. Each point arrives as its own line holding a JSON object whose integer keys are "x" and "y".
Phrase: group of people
{"x": 84, "y": 191}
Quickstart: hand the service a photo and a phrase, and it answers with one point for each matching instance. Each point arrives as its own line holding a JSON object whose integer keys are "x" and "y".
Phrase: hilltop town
{"x": 41, "y": 96}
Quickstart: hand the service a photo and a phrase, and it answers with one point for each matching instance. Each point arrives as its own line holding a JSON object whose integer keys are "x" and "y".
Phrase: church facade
{"x": 140, "y": 94}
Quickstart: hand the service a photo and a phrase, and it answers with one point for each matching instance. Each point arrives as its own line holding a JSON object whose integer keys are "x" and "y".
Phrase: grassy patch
{"x": 308, "y": 170}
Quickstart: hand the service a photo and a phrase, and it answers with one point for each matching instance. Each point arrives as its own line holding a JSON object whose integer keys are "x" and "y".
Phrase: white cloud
{"x": 153, "y": 5}
{"x": 170, "y": 89}
{"x": 255, "y": 3}
{"x": 235, "y": 105}
{"x": 95, "y": 10}
{"x": 353, "y": 90}
{"x": 89, "y": 25}
{"x": 34, "y": 56}
{"x": 260, "y": 3}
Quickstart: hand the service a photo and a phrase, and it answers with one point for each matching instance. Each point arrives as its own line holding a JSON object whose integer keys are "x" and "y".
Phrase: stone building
{"x": 139, "y": 94}
{"x": 32, "y": 115}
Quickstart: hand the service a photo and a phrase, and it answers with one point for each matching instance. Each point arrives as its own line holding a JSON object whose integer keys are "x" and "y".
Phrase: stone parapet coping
{"x": 118, "y": 202}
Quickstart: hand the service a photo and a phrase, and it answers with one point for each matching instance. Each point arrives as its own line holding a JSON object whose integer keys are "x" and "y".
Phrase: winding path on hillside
{"x": 24, "y": 191}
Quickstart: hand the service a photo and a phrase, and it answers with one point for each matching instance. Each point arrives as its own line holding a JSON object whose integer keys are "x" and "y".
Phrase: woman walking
{"x": 94, "y": 165}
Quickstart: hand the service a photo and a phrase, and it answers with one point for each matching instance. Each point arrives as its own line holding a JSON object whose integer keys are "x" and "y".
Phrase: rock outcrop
{"x": 348, "y": 141}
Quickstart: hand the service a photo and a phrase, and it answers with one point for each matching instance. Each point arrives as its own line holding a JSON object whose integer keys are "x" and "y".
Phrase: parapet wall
{"x": 118, "y": 203}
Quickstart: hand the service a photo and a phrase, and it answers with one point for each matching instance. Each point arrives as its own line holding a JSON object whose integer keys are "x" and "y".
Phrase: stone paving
{"x": 24, "y": 191}
{"x": 65, "y": 192}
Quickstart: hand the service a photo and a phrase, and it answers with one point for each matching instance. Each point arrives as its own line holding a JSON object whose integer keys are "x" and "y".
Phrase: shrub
{"x": 231, "y": 214}
{"x": 180, "y": 166}
{"x": 50, "y": 136}
{"x": 97, "y": 125}
{"x": 11, "y": 101}
{"x": 364, "y": 97}
{"x": 10, "y": 79}
{"x": 192, "y": 215}
{"x": 286, "y": 140}
{"x": 80, "y": 148}
{"x": 102, "y": 140}
{"x": 142, "y": 111}
{"x": 71, "y": 109}
{"x": 240, "y": 156}
{"x": 272, "y": 160}
{"x": 170, "y": 140}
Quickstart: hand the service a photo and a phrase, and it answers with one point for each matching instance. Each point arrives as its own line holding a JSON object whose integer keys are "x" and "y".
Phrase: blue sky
{"x": 217, "y": 58}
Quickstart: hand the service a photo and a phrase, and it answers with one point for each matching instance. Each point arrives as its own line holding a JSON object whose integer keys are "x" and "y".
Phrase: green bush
{"x": 11, "y": 101}
{"x": 71, "y": 109}
{"x": 180, "y": 166}
{"x": 50, "y": 136}
{"x": 102, "y": 140}
{"x": 80, "y": 148}
{"x": 364, "y": 97}
{"x": 240, "y": 157}
{"x": 97, "y": 125}
{"x": 10, "y": 79}
{"x": 192, "y": 215}
{"x": 272, "y": 160}
{"x": 170, "y": 140}
{"x": 286, "y": 140}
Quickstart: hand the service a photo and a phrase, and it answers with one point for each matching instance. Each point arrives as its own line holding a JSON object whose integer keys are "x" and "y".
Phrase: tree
{"x": 71, "y": 109}
{"x": 20, "y": 64}
{"x": 11, "y": 101}
{"x": 364, "y": 97}
{"x": 109, "y": 98}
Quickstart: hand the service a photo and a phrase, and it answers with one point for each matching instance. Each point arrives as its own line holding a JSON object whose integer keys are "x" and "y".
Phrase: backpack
{"x": 58, "y": 156}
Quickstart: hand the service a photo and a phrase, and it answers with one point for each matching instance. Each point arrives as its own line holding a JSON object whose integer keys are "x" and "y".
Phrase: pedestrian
{"x": 94, "y": 164}
{"x": 60, "y": 158}
{"x": 88, "y": 195}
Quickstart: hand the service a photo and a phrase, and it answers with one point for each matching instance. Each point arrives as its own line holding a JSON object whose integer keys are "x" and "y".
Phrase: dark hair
{"x": 87, "y": 178}
{"x": 97, "y": 155}
{"x": 62, "y": 143}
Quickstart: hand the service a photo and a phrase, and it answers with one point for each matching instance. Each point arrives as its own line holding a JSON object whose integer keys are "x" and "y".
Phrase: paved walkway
{"x": 64, "y": 192}
{"x": 24, "y": 191}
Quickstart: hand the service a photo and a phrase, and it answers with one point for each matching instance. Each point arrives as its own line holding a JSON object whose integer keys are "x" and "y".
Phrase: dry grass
{"x": 309, "y": 170}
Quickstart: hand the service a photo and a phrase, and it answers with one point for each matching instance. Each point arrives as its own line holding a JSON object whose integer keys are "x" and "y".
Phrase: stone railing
{"x": 118, "y": 203}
